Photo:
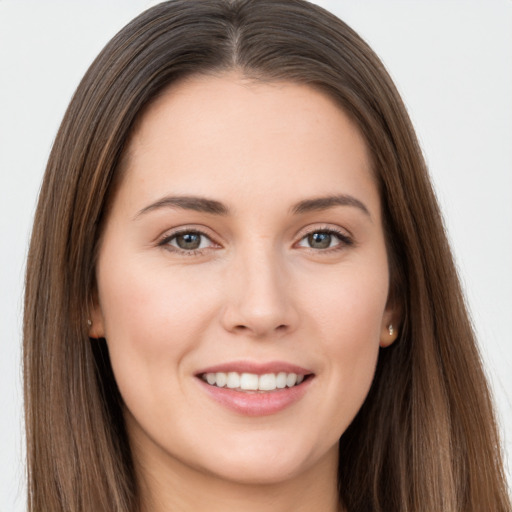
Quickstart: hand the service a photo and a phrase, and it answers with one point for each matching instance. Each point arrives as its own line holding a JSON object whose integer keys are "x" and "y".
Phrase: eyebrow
{"x": 211, "y": 206}
{"x": 325, "y": 203}
{"x": 198, "y": 204}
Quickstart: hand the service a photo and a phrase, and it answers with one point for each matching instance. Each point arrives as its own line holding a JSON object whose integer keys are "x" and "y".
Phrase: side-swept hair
{"x": 424, "y": 440}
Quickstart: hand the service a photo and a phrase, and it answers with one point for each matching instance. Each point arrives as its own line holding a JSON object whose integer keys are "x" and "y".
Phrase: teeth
{"x": 233, "y": 380}
{"x": 221, "y": 379}
{"x": 267, "y": 382}
{"x": 281, "y": 380}
{"x": 253, "y": 382}
{"x": 249, "y": 381}
{"x": 291, "y": 379}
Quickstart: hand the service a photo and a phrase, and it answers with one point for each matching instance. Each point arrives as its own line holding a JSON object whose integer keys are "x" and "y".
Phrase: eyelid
{"x": 346, "y": 239}
{"x": 164, "y": 239}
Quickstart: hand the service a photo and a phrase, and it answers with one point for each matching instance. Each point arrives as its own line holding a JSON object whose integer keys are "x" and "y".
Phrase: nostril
{"x": 244, "y": 328}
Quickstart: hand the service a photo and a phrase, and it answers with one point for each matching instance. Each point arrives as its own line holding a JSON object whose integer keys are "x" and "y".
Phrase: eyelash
{"x": 343, "y": 238}
{"x": 165, "y": 242}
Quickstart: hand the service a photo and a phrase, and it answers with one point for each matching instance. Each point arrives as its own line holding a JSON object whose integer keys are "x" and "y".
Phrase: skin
{"x": 256, "y": 290}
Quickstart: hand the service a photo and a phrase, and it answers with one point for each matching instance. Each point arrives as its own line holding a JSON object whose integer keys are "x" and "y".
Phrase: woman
{"x": 248, "y": 301}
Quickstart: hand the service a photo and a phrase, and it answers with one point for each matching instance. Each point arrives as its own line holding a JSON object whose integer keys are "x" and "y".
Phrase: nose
{"x": 259, "y": 297}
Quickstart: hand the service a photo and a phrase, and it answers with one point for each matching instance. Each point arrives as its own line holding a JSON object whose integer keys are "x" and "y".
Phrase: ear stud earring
{"x": 391, "y": 329}
{"x": 89, "y": 323}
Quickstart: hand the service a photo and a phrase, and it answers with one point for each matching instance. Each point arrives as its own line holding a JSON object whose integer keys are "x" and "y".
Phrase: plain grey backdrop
{"x": 452, "y": 62}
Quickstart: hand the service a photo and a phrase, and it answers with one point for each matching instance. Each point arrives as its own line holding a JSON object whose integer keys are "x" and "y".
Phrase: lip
{"x": 256, "y": 403}
{"x": 256, "y": 368}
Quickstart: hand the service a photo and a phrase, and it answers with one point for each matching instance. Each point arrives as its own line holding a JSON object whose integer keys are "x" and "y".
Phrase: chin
{"x": 267, "y": 465}
{"x": 261, "y": 472}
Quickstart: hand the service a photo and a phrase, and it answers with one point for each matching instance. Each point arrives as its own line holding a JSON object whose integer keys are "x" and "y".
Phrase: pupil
{"x": 319, "y": 240}
{"x": 188, "y": 241}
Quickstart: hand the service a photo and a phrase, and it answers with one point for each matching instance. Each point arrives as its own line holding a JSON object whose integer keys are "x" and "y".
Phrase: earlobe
{"x": 95, "y": 323}
{"x": 390, "y": 327}
{"x": 389, "y": 332}
{"x": 391, "y": 321}
{"x": 388, "y": 335}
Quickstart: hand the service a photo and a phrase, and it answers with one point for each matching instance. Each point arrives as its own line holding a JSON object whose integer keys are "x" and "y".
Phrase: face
{"x": 243, "y": 280}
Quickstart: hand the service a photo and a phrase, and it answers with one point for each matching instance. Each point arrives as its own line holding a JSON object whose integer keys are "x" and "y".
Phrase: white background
{"x": 452, "y": 62}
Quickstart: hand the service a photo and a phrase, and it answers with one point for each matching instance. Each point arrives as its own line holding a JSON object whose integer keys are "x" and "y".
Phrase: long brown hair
{"x": 425, "y": 438}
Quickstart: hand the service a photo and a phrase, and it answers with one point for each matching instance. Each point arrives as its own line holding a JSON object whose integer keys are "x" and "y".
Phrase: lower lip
{"x": 254, "y": 403}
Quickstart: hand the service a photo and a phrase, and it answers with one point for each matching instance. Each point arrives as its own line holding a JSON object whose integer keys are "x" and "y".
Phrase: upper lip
{"x": 258, "y": 368}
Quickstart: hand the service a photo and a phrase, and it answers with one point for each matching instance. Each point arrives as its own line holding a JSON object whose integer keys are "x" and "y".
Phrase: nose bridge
{"x": 259, "y": 299}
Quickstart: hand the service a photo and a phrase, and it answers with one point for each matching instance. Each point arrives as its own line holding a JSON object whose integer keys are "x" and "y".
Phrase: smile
{"x": 252, "y": 381}
{"x": 253, "y": 389}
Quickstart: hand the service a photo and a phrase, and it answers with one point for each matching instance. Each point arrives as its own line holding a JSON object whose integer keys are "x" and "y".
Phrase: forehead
{"x": 247, "y": 135}
{"x": 230, "y": 97}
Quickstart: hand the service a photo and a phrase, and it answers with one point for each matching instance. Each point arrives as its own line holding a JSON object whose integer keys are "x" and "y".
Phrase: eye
{"x": 325, "y": 239}
{"x": 188, "y": 241}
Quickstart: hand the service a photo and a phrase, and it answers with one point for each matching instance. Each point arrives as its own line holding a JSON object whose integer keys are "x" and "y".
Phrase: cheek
{"x": 350, "y": 304}
{"x": 153, "y": 317}
{"x": 348, "y": 314}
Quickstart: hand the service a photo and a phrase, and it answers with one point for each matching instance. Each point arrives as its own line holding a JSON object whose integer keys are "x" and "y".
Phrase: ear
{"x": 389, "y": 329}
{"x": 95, "y": 322}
